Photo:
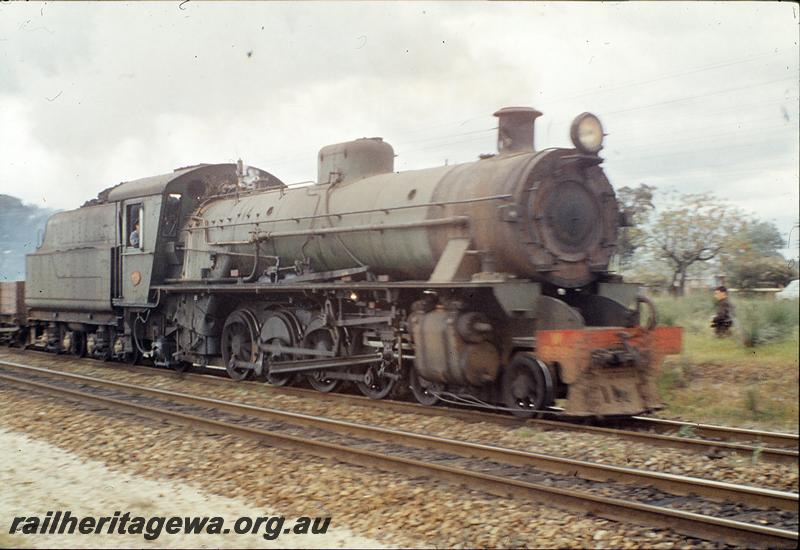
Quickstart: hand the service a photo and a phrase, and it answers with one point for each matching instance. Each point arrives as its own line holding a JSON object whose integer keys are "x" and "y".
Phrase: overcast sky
{"x": 694, "y": 96}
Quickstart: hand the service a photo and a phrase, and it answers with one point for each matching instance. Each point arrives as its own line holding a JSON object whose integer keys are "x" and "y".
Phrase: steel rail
{"x": 675, "y": 484}
{"x": 688, "y": 523}
{"x": 778, "y": 455}
{"x": 729, "y": 433}
{"x": 785, "y": 456}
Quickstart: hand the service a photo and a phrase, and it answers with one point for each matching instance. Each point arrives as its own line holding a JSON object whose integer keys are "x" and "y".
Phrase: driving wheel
{"x": 378, "y": 380}
{"x": 422, "y": 390}
{"x": 526, "y": 386}
{"x": 321, "y": 339}
{"x": 240, "y": 343}
{"x": 279, "y": 328}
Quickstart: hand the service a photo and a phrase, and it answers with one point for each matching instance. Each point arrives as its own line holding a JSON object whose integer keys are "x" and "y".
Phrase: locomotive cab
{"x": 149, "y": 229}
{"x": 162, "y": 206}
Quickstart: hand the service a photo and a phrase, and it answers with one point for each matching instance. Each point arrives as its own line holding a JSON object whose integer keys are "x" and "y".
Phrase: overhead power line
{"x": 562, "y": 97}
{"x": 448, "y": 141}
{"x": 706, "y": 114}
{"x": 685, "y": 153}
{"x": 696, "y": 70}
{"x": 690, "y": 137}
{"x": 696, "y": 96}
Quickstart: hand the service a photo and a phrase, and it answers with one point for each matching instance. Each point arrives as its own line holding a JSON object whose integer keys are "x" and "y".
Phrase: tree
{"x": 752, "y": 257}
{"x": 759, "y": 237}
{"x": 696, "y": 228}
{"x": 772, "y": 271}
{"x": 637, "y": 202}
{"x": 650, "y": 272}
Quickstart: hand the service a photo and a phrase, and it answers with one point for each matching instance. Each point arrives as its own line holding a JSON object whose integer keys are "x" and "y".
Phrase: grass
{"x": 525, "y": 432}
{"x": 748, "y": 379}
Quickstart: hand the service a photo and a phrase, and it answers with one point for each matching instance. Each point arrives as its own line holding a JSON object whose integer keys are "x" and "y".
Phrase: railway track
{"x": 129, "y": 397}
{"x": 699, "y": 438}
{"x": 689, "y": 436}
{"x": 710, "y": 431}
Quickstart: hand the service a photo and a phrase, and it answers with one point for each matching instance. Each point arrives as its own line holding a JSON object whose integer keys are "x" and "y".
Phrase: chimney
{"x": 515, "y": 129}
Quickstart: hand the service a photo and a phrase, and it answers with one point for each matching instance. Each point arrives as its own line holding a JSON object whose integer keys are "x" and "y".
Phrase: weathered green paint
{"x": 72, "y": 268}
{"x": 140, "y": 260}
{"x": 510, "y": 233}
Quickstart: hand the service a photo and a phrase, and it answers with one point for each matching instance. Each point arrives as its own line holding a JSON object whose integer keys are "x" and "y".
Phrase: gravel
{"x": 38, "y": 477}
{"x": 572, "y": 444}
{"x": 389, "y": 508}
{"x": 627, "y": 492}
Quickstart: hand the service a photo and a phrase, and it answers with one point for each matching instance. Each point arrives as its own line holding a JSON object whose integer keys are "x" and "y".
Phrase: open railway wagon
{"x": 485, "y": 283}
{"x": 13, "y": 316}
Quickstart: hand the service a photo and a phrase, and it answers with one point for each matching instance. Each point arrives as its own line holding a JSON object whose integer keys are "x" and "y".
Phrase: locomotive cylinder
{"x": 454, "y": 347}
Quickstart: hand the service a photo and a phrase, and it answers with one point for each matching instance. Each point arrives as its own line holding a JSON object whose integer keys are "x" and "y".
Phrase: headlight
{"x": 587, "y": 133}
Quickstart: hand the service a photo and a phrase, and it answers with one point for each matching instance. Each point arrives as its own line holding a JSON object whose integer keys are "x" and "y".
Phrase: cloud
{"x": 694, "y": 96}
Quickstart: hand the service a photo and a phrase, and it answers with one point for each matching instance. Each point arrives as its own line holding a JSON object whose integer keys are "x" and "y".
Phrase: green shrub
{"x": 751, "y": 402}
{"x": 669, "y": 380}
{"x": 687, "y": 430}
{"x": 761, "y": 322}
{"x": 667, "y": 318}
{"x": 782, "y": 313}
{"x": 693, "y": 313}
{"x": 686, "y": 370}
{"x": 750, "y": 329}
{"x": 757, "y": 321}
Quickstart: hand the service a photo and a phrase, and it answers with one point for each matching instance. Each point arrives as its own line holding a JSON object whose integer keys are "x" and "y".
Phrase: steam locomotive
{"x": 485, "y": 283}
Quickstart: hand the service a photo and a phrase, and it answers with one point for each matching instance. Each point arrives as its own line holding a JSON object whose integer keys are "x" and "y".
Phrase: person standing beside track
{"x": 722, "y": 321}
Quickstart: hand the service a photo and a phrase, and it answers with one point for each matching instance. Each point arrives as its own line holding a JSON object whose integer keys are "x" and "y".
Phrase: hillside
{"x": 20, "y": 226}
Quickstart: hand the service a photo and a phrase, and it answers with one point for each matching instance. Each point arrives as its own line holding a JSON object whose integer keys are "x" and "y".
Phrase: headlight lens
{"x": 587, "y": 133}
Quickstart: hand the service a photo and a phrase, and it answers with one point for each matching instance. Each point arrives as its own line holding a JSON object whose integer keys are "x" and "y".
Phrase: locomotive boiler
{"x": 485, "y": 283}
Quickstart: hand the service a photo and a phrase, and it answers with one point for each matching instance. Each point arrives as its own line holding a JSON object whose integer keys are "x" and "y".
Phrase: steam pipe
{"x": 350, "y": 212}
{"x": 454, "y": 220}
{"x": 249, "y": 279}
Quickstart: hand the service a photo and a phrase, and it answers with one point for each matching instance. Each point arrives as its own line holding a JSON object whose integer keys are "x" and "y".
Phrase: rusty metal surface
{"x": 523, "y": 217}
{"x": 530, "y": 235}
{"x": 708, "y": 527}
{"x": 556, "y": 222}
{"x": 597, "y": 388}
{"x": 448, "y": 350}
{"x": 12, "y": 300}
{"x": 574, "y": 220}
{"x": 515, "y": 131}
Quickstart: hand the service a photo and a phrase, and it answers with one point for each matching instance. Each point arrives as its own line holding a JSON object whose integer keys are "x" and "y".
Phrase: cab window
{"x": 133, "y": 227}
